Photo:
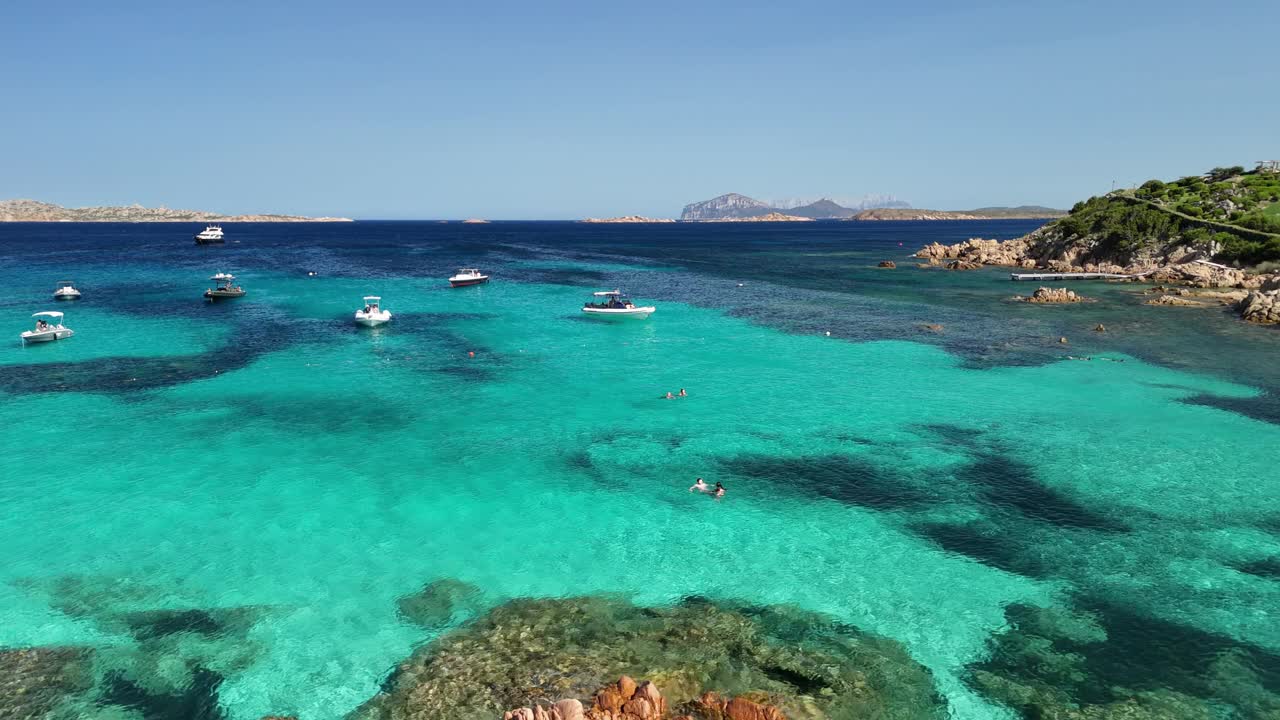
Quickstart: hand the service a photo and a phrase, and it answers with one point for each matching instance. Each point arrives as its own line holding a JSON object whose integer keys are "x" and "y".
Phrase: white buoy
{"x": 828, "y": 333}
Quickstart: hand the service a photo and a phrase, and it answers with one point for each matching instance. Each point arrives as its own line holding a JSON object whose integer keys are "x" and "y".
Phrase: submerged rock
{"x": 1062, "y": 664}
{"x": 1174, "y": 301}
{"x": 34, "y": 682}
{"x": 440, "y": 602}
{"x": 535, "y": 653}
{"x": 888, "y": 264}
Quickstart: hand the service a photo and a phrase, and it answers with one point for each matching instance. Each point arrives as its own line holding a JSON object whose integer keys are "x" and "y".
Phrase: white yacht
{"x": 211, "y": 234}
{"x": 224, "y": 287}
{"x": 613, "y": 303}
{"x": 48, "y": 327}
{"x": 468, "y": 276}
{"x": 66, "y": 291}
{"x": 372, "y": 314}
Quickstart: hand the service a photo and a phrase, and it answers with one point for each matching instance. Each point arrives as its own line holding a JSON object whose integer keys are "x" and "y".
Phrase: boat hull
{"x": 31, "y": 336}
{"x": 218, "y": 295}
{"x": 66, "y": 296}
{"x": 210, "y": 241}
{"x": 467, "y": 283}
{"x": 639, "y": 313}
{"x": 372, "y": 320}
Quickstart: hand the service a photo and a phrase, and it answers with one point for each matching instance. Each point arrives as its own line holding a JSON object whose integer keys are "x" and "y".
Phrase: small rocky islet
{"x": 759, "y": 663}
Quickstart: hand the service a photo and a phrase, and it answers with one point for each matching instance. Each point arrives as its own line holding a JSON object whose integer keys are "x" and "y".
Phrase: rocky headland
{"x": 36, "y": 211}
{"x": 1254, "y": 294}
{"x": 628, "y": 219}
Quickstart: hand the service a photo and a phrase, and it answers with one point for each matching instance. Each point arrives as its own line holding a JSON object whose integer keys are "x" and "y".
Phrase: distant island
{"x": 475, "y": 221}
{"x": 36, "y": 211}
{"x": 1022, "y": 212}
{"x": 627, "y": 219}
{"x": 774, "y": 216}
{"x": 733, "y": 206}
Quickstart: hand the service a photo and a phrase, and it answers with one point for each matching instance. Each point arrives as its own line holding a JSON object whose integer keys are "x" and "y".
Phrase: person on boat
{"x": 701, "y": 486}
{"x": 366, "y": 309}
{"x": 719, "y": 491}
{"x": 683, "y": 393}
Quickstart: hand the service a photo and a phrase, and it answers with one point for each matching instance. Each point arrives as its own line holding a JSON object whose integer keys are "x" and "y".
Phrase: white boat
{"x": 66, "y": 291}
{"x": 468, "y": 276}
{"x": 372, "y": 314}
{"x": 47, "y": 329}
{"x": 224, "y": 287}
{"x": 613, "y": 303}
{"x": 211, "y": 234}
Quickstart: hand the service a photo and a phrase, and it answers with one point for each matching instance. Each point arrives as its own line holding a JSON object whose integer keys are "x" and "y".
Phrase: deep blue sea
{"x": 283, "y": 476}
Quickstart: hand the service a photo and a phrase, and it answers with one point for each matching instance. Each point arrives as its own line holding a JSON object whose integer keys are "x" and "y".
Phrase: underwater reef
{"x": 1098, "y": 663}
{"x": 534, "y": 653}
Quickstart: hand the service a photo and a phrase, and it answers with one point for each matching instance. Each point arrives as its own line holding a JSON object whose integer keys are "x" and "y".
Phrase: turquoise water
{"x": 267, "y": 456}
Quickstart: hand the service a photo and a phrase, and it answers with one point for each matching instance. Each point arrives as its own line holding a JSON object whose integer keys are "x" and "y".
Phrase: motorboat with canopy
{"x": 224, "y": 287}
{"x": 372, "y": 314}
{"x": 49, "y": 327}
{"x": 615, "y": 304}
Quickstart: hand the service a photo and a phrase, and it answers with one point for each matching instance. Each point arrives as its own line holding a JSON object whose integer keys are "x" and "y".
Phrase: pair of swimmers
{"x": 669, "y": 396}
{"x": 702, "y": 487}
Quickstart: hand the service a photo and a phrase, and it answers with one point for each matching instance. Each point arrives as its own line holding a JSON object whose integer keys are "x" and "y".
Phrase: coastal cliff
{"x": 36, "y": 211}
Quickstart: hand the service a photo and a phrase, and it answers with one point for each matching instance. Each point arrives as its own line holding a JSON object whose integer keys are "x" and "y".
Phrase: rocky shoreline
{"x": 1256, "y": 296}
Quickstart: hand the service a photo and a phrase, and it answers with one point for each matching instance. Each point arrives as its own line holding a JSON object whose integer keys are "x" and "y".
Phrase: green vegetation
{"x": 1234, "y": 210}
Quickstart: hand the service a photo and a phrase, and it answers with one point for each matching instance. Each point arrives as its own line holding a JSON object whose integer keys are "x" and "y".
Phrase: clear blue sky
{"x": 562, "y": 110}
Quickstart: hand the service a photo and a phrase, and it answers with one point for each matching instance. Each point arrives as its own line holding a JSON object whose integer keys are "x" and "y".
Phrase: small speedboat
{"x": 224, "y": 287}
{"x": 468, "y": 276}
{"x": 613, "y": 303}
{"x": 212, "y": 234}
{"x": 66, "y": 291}
{"x": 372, "y": 314}
{"x": 47, "y": 329}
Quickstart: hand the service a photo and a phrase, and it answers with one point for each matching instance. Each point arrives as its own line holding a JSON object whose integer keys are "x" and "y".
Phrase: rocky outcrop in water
{"x": 541, "y": 652}
{"x": 1050, "y": 296}
{"x": 628, "y": 700}
{"x": 888, "y": 264}
{"x": 1261, "y": 307}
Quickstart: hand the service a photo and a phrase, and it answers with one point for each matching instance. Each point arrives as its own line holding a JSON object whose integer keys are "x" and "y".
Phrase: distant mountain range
{"x": 1022, "y": 212}
{"x": 735, "y": 207}
{"x": 36, "y": 211}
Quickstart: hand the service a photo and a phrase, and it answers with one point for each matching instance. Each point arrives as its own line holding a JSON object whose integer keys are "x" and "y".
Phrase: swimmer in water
{"x": 700, "y": 486}
{"x": 683, "y": 393}
{"x": 669, "y": 396}
{"x": 719, "y": 491}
